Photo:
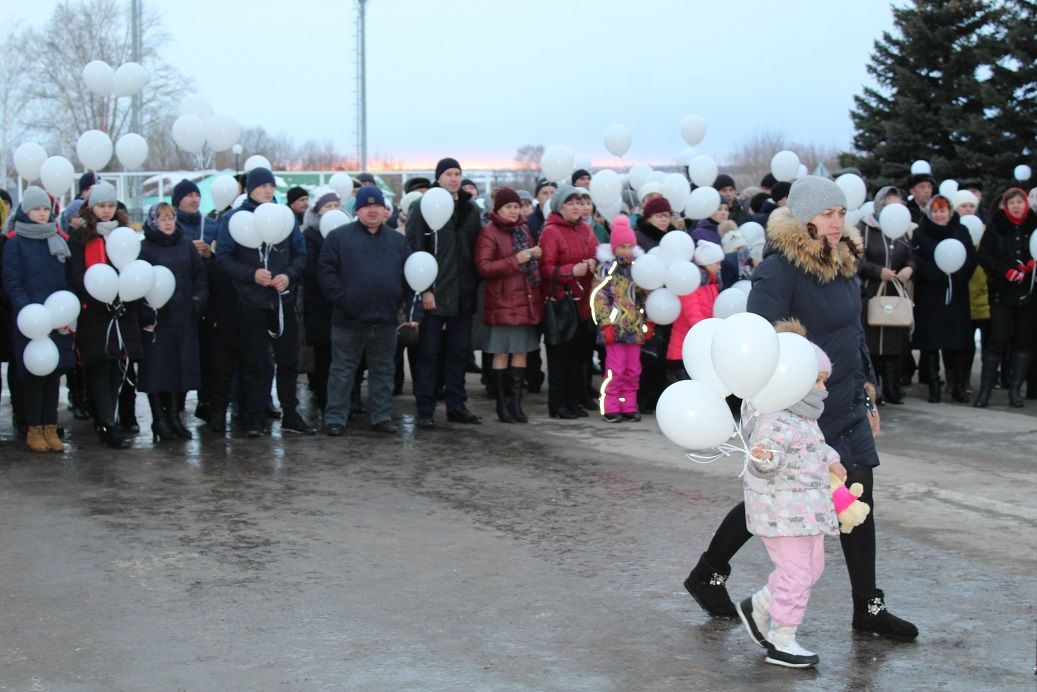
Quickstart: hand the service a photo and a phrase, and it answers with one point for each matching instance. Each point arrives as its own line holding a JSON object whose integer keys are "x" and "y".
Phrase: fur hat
{"x": 916, "y": 178}
{"x": 813, "y": 194}
{"x": 621, "y": 232}
{"x": 413, "y": 184}
{"x": 964, "y": 197}
{"x": 707, "y": 253}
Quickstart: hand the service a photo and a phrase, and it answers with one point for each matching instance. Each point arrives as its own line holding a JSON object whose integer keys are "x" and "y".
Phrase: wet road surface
{"x": 493, "y": 557}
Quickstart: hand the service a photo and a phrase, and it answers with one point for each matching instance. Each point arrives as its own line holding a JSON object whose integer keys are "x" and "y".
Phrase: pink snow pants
{"x": 798, "y": 564}
{"x": 624, "y": 362}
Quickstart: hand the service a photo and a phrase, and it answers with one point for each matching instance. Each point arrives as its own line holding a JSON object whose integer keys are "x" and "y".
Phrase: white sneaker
{"x": 784, "y": 650}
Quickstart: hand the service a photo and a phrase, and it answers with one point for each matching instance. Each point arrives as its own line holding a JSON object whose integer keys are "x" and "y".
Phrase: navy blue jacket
{"x": 197, "y": 227}
{"x": 240, "y": 263}
{"x": 361, "y": 273}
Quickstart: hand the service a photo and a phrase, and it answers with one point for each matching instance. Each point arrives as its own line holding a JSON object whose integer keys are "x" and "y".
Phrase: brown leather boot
{"x": 34, "y": 439}
{"x": 50, "y": 436}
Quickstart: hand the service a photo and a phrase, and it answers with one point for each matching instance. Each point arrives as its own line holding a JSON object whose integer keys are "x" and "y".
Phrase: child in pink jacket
{"x": 697, "y": 305}
{"x": 788, "y": 503}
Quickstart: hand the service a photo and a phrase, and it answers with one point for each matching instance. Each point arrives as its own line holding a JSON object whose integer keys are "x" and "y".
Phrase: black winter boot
{"x": 987, "y": 379}
{"x": 160, "y": 428}
{"x": 960, "y": 380}
{"x": 891, "y": 381}
{"x": 931, "y": 367}
{"x": 870, "y": 616}
{"x": 517, "y": 377}
{"x": 169, "y": 402}
{"x": 502, "y": 386}
{"x": 1020, "y": 366}
{"x": 706, "y": 584}
{"x": 110, "y": 436}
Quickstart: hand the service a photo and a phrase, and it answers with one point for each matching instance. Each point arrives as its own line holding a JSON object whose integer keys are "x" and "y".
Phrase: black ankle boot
{"x": 1020, "y": 366}
{"x": 502, "y": 385}
{"x": 517, "y": 377}
{"x": 110, "y": 436}
{"x": 706, "y": 584}
{"x": 891, "y": 381}
{"x": 173, "y": 416}
{"x": 931, "y": 366}
{"x": 960, "y": 381}
{"x": 987, "y": 379}
{"x": 870, "y": 616}
{"x": 160, "y": 429}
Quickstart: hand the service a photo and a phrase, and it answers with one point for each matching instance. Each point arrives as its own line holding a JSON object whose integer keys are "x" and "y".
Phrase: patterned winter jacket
{"x": 617, "y": 302}
{"x": 788, "y": 495}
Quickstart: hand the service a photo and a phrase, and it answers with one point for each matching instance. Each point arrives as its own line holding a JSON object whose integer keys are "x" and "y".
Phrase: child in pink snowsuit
{"x": 617, "y": 306}
{"x": 788, "y": 503}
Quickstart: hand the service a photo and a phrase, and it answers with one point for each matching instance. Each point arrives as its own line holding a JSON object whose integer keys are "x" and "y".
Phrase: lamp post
{"x": 237, "y": 157}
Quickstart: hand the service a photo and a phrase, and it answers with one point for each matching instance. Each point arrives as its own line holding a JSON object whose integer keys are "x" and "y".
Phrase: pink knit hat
{"x": 621, "y": 232}
{"x": 824, "y": 363}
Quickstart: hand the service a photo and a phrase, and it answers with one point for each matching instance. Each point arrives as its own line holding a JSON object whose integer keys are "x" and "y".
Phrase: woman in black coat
{"x": 885, "y": 260}
{"x": 316, "y": 309}
{"x": 942, "y": 325}
{"x": 107, "y": 334}
{"x": 810, "y": 274}
{"x": 1004, "y": 253}
{"x": 171, "y": 361}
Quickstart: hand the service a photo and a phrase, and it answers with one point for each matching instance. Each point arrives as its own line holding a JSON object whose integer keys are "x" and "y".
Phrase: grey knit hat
{"x": 34, "y": 197}
{"x": 102, "y": 192}
{"x": 563, "y": 193}
{"x": 813, "y": 194}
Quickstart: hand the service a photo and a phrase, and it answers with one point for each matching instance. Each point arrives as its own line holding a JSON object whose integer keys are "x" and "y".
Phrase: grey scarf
{"x": 106, "y": 227}
{"x": 812, "y": 405}
{"x": 44, "y": 231}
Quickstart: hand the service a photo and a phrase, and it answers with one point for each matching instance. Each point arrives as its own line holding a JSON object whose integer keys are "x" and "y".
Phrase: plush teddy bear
{"x": 850, "y": 511}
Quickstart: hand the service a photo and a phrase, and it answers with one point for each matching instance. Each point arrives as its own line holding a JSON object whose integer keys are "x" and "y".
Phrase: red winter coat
{"x": 564, "y": 244}
{"x": 695, "y": 307}
{"x": 511, "y": 298}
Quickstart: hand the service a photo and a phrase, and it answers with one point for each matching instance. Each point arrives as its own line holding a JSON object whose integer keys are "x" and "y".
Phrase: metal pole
{"x": 135, "y": 107}
{"x": 361, "y": 103}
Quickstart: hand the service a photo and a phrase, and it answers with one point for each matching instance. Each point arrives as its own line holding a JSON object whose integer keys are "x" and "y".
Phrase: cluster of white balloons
{"x": 199, "y": 125}
{"x": 35, "y": 321}
{"x": 270, "y": 223}
{"x": 94, "y": 149}
{"x": 740, "y": 355}
{"x": 135, "y": 278}
{"x": 103, "y": 81}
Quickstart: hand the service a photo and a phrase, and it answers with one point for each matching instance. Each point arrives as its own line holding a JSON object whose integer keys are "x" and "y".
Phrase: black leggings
{"x": 858, "y": 545}
{"x": 40, "y": 395}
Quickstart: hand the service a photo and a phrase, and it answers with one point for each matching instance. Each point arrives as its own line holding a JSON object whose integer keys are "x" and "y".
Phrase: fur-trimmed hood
{"x": 604, "y": 253}
{"x": 789, "y": 236}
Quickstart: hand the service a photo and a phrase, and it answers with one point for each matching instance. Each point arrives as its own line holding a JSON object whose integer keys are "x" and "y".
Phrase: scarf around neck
{"x": 812, "y": 405}
{"x": 44, "y": 231}
{"x": 157, "y": 237}
{"x": 519, "y": 242}
{"x": 106, "y": 227}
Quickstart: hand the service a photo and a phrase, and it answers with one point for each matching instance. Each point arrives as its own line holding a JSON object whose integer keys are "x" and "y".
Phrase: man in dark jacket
{"x": 266, "y": 309}
{"x": 450, "y": 303}
{"x": 920, "y": 186}
{"x": 725, "y": 185}
{"x": 361, "y": 272}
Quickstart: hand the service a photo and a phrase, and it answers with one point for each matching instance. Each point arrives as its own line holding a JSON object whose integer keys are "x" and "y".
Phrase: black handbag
{"x": 561, "y": 319}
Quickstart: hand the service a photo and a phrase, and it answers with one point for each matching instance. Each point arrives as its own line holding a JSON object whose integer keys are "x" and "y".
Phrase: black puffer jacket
{"x": 1005, "y": 246}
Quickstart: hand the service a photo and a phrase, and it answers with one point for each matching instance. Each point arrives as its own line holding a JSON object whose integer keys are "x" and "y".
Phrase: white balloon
{"x": 679, "y": 245}
{"x": 122, "y": 246}
{"x": 420, "y": 270}
{"x": 974, "y": 224}
{"x": 693, "y": 130}
{"x": 867, "y": 209}
{"x": 745, "y": 285}
{"x": 745, "y": 353}
{"x": 99, "y": 77}
{"x": 583, "y": 162}
{"x": 63, "y": 308}
{"x": 222, "y": 132}
{"x": 437, "y": 206}
{"x": 224, "y": 189}
{"x": 409, "y": 199}
{"x": 606, "y": 187}
{"x": 238, "y": 201}
{"x": 854, "y": 188}
{"x": 287, "y": 222}
{"x": 662, "y": 306}
{"x": 189, "y": 133}
{"x": 28, "y": 158}
{"x": 752, "y": 232}
{"x": 682, "y": 277}
{"x": 696, "y": 352}
{"x": 1033, "y": 244}
{"x": 129, "y": 79}
{"x": 94, "y": 149}
{"x": 686, "y": 155}
{"x": 617, "y": 139}
{"x": 135, "y": 280}
{"x": 332, "y": 220}
{"x": 195, "y": 105}
{"x": 41, "y": 356}
{"x": 853, "y": 217}
{"x": 648, "y": 271}
{"x": 243, "y": 229}
{"x": 258, "y": 161}
{"x": 676, "y": 190}
{"x": 693, "y": 416}
{"x": 56, "y": 175}
{"x": 949, "y": 255}
{"x": 785, "y": 165}
{"x": 610, "y": 212}
{"x": 162, "y": 288}
{"x": 657, "y": 177}
{"x": 702, "y": 203}
{"x": 1022, "y": 172}
{"x": 267, "y": 221}
{"x": 638, "y": 175}
{"x": 920, "y": 167}
{"x": 101, "y": 282}
{"x": 730, "y": 301}
{"x": 703, "y": 170}
{"x": 948, "y": 188}
{"x": 342, "y": 184}
{"x": 801, "y": 172}
{"x": 557, "y": 162}
{"x": 131, "y": 150}
{"x": 894, "y": 220}
{"x": 34, "y": 321}
{"x": 794, "y": 375}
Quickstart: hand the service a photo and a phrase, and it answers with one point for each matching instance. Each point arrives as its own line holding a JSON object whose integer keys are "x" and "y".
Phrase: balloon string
{"x": 950, "y": 290}
{"x": 727, "y": 449}
{"x": 413, "y": 304}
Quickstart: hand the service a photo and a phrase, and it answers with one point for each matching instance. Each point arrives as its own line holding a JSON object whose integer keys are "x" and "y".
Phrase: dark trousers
{"x": 15, "y": 386}
{"x": 1012, "y": 327}
{"x": 103, "y": 380}
{"x": 454, "y": 336}
{"x": 858, "y": 545}
{"x": 534, "y": 369}
{"x": 128, "y": 396}
{"x": 40, "y": 395}
{"x": 377, "y": 344}
{"x": 412, "y": 363}
{"x": 256, "y": 324}
{"x": 321, "y": 368}
{"x": 566, "y": 383}
{"x": 226, "y": 360}
{"x": 205, "y": 358}
{"x": 984, "y": 334}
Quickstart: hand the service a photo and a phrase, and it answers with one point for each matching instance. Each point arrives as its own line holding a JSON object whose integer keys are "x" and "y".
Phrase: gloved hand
{"x": 649, "y": 330}
{"x": 117, "y": 309}
{"x": 1014, "y": 276}
{"x": 608, "y": 333}
{"x": 1028, "y": 267}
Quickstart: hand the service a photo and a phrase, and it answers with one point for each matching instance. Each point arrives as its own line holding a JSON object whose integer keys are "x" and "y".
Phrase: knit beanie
{"x": 525, "y": 196}
{"x": 258, "y": 176}
{"x": 505, "y": 195}
{"x": 563, "y": 193}
{"x": 183, "y": 189}
{"x": 445, "y": 165}
{"x": 621, "y": 232}
{"x": 34, "y": 197}
{"x": 102, "y": 192}
{"x": 655, "y": 206}
{"x": 325, "y": 200}
{"x": 811, "y": 195}
{"x": 780, "y": 191}
{"x": 86, "y": 181}
{"x": 768, "y": 181}
{"x": 542, "y": 183}
{"x": 577, "y": 174}
{"x": 707, "y": 253}
{"x": 295, "y": 193}
{"x": 649, "y": 188}
{"x": 723, "y": 180}
{"x": 370, "y": 195}
{"x": 964, "y": 197}
{"x": 824, "y": 363}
